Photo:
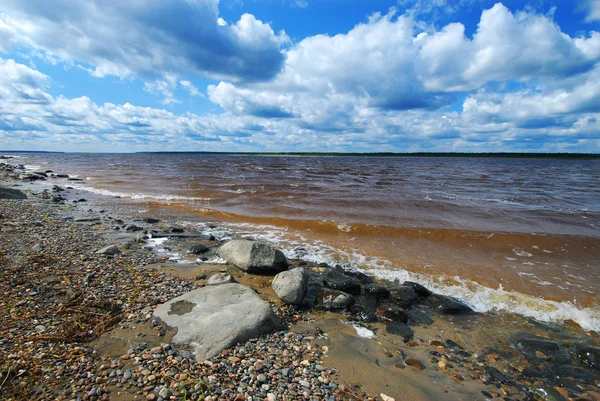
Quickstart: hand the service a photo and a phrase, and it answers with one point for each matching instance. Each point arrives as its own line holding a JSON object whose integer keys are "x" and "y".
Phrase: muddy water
{"x": 514, "y": 235}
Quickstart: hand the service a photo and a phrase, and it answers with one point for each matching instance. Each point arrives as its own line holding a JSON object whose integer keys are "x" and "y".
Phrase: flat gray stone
{"x": 291, "y": 286}
{"x": 253, "y": 257}
{"x": 213, "y": 318}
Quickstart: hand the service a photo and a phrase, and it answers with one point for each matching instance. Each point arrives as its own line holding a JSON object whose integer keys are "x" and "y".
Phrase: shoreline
{"x": 467, "y": 378}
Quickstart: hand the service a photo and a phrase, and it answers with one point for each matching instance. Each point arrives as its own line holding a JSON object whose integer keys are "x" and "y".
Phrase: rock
{"x": 419, "y": 289}
{"x": 403, "y": 296}
{"x": 447, "y": 305}
{"x": 386, "y": 397}
{"x": 213, "y": 318}
{"x": 416, "y": 317}
{"x": 361, "y": 277}
{"x": 220, "y": 278}
{"x": 339, "y": 281}
{"x": 253, "y": 257}
{"x": 62, "y": 175}
{"x": 400, "y": 330}
{"x": 109, "y": 250}
{"x": 198, "y": 249}
{"x": 337, "y": 300}
{"x": 134, "y": 228}
{"x": 394, "y": 313}
{"x": 177, "y": 230}
{"x": 364, "y": 314}
{"x": 150, "y": 220}
{"x": 548, "y": 393}
{"x": 589, "y": 355}
{"x": 376, "y": 291}
{"x": 496, "y": 375}
{"x": 291, "y": 285}
{"x": 533, "y": 346}
{"x": 56, "y": 188}
{"x": 31, "y": 177}
{"x": 315, "y": 286}
{"x": 9, "y": 193}
{"x": 414, "y": 363}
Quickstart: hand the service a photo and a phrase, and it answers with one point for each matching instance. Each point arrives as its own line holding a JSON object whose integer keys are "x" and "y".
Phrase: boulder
{"x": 150, "y": 220}
{"x": 447, "y": 305}
{"x": 403, "y": 296}
{"x": 253, "y": 257}
{"x": 198, "y": 249}
{"x": 9, "y": 193}
{"x": 291, "y": 285}
{"x": 315, "y": 286}
{"x": 109, "y": 250}
{"x": 394, "y": 313}
{"x": 363, "y": 313}
{"x": 336, "y": 300}
{"x": 213, "y": 318}
{"x": 377, "y": 291}
{"x": 420, "y": 290}
{"x": 220, "y": 278}
{"x": 339, "y": 281}
{"x": 134, "y": 228}
{"x": 360, "y": 276}
{"x": 401, "y": 330}
{"x": 31, "y": 177}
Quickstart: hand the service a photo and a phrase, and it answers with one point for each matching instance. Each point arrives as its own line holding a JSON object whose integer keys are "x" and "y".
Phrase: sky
{"x": 300, "y": 75}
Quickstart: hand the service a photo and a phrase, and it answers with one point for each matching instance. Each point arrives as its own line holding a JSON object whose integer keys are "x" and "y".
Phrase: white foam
{"x": 213, "y": 261}
{"x": 484, "y": 299}
{"x": 136, "y": 196}
{"x": 362, "y": 331}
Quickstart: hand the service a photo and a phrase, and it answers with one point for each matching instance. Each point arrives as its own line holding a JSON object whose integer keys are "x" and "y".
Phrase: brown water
{"x": 520, "y": 235}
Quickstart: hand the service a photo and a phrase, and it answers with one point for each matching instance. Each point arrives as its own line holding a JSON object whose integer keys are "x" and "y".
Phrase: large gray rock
{"x": 253, "y": 257}
{"x": 291, "y": 286}
{"x": 213, "y": 318}
{"x": 9, "y": 193}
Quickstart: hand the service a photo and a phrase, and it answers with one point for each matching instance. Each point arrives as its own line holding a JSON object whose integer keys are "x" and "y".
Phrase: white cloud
{"x": 145, "y": 39}
{"x": 193, "y": 91}
{"x": 386, "y": 85}
{"x": 593, "y": 8}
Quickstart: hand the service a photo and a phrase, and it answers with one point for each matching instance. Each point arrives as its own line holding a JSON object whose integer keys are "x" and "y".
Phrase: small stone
{"x": 304, "y": 383}
{"x": 386, "y": 397}
{"x": 414, "y": 363}
{"x": 127, "y": 375}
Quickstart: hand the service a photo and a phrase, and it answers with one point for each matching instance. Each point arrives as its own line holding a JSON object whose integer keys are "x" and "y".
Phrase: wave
{"x": 138, "y": 195}
{"x": 485, "y": 299}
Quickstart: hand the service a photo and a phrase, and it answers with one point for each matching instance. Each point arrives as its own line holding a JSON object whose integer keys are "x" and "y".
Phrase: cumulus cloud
{"x": 593, "y": 8}
{"x": 145, "y": 39}
{"x": 517, "y": 84}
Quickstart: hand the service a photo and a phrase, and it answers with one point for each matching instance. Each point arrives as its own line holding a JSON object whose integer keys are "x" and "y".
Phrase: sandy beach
{"x": 79, "y": 325}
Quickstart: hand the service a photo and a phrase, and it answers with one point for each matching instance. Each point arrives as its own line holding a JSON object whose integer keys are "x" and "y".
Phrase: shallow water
{"x": 520, "y": 235}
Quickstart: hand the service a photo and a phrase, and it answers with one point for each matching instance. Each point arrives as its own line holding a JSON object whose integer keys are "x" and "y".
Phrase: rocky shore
{"x": 92, "y": 302}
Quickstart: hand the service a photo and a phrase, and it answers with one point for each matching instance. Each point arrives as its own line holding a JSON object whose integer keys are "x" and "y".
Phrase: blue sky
{"x": 300, "y": 75}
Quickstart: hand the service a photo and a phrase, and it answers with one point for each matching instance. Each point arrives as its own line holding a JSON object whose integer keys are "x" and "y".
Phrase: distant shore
{"x": 499, "y": 155}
